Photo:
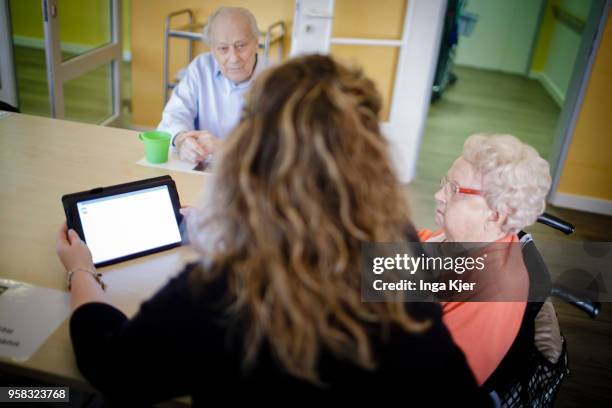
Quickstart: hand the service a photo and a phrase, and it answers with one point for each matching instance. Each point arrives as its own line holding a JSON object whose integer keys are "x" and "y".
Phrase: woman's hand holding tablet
{"x": 126, "y": 221}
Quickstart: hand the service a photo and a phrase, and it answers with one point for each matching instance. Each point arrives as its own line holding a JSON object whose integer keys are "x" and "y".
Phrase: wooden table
{"x": 40, "y": 160}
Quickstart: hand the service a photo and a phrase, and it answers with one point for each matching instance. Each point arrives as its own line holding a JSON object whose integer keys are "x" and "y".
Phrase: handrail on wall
{"x": 575, "y": 23}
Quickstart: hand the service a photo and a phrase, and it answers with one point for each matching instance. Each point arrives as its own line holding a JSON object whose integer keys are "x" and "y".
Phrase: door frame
{"x": 413, "y": 84}
{"x": 8, "y": 79}
{"x": 566, "y": 125}
{"x": 60, "y": 72}
{"x": 420, "y": 41}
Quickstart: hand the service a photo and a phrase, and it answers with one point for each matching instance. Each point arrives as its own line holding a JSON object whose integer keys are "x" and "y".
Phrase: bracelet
{"x": 96, "y": 275}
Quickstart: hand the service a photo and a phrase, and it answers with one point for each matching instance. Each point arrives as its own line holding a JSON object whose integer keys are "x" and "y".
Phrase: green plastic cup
{"x": 156, "y": 145}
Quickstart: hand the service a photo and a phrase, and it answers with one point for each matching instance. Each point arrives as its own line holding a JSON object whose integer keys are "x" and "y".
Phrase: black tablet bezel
{"x": 70, "y": 201}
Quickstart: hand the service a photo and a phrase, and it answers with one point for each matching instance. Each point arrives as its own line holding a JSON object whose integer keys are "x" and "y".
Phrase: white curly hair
{"x": 515, "y": 179}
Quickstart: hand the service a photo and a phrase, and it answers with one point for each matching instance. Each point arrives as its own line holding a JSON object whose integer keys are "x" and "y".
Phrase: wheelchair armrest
{"x": 556, "y": 223}
{"x": 588, "y": 306}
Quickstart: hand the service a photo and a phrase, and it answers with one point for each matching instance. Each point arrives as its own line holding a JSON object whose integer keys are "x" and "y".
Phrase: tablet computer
{"x": 127, "y": 220}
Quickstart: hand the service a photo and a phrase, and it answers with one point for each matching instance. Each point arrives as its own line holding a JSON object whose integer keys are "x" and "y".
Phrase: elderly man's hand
{"x": 196, "y": 145}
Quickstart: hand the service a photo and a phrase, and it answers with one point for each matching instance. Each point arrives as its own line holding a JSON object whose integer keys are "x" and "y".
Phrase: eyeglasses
{"x": 455, "y": 188}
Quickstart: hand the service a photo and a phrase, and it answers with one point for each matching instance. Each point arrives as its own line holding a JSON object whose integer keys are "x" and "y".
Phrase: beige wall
{"x": 378, "y": 63}
{"x": 544, "y": 38}
{"x": 354, "y": 18}
{"x": 588, "y": 166}
{"x": 382, "y": 19}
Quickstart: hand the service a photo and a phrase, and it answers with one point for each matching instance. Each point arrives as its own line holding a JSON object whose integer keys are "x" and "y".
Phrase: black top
{"x": 179, "y": 344}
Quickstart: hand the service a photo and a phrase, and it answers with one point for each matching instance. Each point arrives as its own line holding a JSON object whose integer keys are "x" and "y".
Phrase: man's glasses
{"x": 454, "y": 188}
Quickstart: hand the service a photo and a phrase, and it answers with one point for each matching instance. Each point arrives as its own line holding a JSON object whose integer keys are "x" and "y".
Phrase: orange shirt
{"x": 484, "y": 330}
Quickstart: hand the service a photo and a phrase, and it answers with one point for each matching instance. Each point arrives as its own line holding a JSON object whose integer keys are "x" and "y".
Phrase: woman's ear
{"x": 497, "y": 219}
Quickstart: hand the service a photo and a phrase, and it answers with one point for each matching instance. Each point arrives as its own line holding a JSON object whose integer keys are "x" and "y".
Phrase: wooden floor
{"x": 483, "y": 101}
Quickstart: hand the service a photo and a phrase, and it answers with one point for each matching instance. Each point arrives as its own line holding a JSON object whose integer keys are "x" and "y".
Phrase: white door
{"x": 84, "y": 72}
{"x": 417, "y": 45}
{"x": 8, "y": 85}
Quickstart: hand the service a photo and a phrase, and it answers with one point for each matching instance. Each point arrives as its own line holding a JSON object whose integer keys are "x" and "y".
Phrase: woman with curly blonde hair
{"x": 273, "y": 310}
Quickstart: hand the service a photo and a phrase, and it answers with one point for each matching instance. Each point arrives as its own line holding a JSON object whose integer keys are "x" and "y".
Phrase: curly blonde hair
{"x": 516, "y": 179}
{"x": 301, "y": 183}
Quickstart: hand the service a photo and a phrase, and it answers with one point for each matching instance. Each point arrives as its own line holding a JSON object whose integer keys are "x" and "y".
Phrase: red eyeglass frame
{"x": 459, "y": 189}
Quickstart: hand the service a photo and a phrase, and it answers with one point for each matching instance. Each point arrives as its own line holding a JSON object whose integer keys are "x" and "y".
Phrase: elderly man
{"x": 207, "y": 102}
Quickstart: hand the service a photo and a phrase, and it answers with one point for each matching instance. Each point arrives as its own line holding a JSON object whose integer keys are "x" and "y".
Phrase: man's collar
{"x": 260, "y": 65}
{"x": 256, "y": 69}
{"x": 216, "y": 68}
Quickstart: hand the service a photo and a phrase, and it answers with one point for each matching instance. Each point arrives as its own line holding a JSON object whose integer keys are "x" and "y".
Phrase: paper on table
{"x": 28, "y": 316}
{"x": 175, "y": 164}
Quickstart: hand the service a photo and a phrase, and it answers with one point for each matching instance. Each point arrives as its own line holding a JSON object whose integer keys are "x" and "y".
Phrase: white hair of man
{"x": 515, "y": 179}
{"x": 207, "y": 35}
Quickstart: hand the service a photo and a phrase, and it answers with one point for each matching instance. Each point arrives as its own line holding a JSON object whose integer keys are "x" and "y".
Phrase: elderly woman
{"x": 496, "y": 188}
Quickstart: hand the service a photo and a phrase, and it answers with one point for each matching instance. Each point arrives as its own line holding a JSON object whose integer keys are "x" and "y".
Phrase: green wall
{"x": 82, "y": 23}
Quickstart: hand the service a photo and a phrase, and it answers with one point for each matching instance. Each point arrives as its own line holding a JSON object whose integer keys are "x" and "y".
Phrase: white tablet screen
{"x": 128, "y": 223}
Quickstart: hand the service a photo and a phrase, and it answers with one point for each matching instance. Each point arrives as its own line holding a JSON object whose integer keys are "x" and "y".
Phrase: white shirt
{"x": 205, "y": 99}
